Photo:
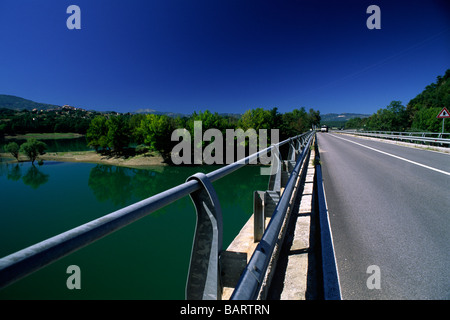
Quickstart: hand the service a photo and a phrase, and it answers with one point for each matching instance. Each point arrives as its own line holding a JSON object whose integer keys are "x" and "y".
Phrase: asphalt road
{"x": 389, "y": 207}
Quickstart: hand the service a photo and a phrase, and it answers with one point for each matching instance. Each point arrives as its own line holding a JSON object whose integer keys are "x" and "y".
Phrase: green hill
{"x": 423, "y": 109}
{"x": 419, "y": 114}
{"x": 17, "y": 103}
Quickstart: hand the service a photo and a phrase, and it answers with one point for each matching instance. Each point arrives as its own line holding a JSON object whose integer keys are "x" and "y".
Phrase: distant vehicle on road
{"x": 324, "y": 128}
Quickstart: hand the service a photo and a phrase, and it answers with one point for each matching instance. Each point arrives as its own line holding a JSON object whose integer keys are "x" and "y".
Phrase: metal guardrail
{"x": 204, "y": 277}
{"x": 253, "y": 275}
{"x": 425, "y": 137}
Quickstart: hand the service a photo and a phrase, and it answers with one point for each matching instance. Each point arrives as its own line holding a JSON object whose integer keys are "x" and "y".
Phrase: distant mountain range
{"x": 175, "y": 114}
{"x": 152, "y": 111}
{"x": 342, "y": 116}
{"x": 338, "y": 120}
{"x": 17, "y": 103}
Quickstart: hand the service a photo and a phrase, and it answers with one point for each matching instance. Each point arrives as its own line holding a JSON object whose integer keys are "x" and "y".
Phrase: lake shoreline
{"x": 44, "y": 136}
{"x": 138, "y": 161}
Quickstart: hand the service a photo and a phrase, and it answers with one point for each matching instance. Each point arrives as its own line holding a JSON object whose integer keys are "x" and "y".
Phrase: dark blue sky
{"x": 222, "y": 55}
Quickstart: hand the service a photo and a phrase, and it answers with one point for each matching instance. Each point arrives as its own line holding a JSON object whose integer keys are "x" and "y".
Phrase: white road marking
{"x": 394, "y": 156}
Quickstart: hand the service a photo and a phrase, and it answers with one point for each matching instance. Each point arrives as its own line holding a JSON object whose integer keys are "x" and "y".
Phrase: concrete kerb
{"x": 296, "y": 274}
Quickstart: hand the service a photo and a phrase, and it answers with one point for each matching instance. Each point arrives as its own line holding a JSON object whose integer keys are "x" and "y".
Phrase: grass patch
{"x": 44, "y": 136}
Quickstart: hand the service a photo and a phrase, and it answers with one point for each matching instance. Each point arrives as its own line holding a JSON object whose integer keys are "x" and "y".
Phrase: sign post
{"x": 442, "y": 115}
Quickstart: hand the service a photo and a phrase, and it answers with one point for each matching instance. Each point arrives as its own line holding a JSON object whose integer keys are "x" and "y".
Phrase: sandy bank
{"x": 93, "y": 157}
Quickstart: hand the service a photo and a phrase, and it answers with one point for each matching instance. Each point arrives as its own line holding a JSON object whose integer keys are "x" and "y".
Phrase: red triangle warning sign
{"x": 443, "y": 114}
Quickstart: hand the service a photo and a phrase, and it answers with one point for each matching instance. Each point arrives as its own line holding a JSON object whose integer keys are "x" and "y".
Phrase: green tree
{"x": 397, "y": 116}
{"x": 354, "y": 123}
{"x": 295, "y": 122}
{"x": 209, "y": 121}
{"x": 314, "y": 117}
{"x": 256, "y": 119}
{"x": 33, "y": 148}
{"x": 156, "y": 132}
{"x": 276, "y": 119}
{"x": 96, "y": 134}
{"x": 13, "y": 148}
{"x": 119, "y": 133}
{"x": 425, "y": 120}
{"x": 393, "y": 118}
{"x": 135, "y": 123}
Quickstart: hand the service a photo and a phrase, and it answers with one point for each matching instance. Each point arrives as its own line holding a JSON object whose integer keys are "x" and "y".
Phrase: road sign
{"x": 443, "y": 114}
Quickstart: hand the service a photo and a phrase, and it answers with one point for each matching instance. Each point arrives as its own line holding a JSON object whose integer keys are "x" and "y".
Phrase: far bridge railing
{"x": 422, "y": 137}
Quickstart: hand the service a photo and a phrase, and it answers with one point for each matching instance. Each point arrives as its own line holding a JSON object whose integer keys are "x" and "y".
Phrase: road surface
{"x": 389, "y": 209}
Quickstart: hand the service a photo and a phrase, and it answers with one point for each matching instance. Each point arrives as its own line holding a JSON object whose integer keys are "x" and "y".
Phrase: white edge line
{"x": 332, "y": 239}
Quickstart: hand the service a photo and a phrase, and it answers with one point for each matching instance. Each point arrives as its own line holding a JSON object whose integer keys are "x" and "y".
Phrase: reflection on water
{"x": 33, "y": 177}
{"x": 148, "y": 259}
{"x": 14, "y": 172}
{"x": 120, "y": 184}
{"x": 111, "y": 183}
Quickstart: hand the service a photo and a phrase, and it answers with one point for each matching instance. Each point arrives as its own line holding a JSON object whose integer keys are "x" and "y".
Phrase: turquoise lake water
{"x": 148, "y": 259}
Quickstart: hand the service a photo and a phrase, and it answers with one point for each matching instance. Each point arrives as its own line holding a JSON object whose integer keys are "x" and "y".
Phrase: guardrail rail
{"x": 423, "y": 137}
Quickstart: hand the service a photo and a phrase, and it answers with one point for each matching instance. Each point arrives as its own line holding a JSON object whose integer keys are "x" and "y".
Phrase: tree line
{"x": 418, "y": 115}
{"x": 153, "y": 132}
{"x": 15, "y": 122}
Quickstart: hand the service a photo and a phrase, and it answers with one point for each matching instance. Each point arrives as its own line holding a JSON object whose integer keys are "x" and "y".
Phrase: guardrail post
{"x": 289, "y": 166}
{"x": 275, "y": 170}
{"x": 271, "y": 199}
{"x": 203, "y": 281}
{"x": 264, "y": 204}
{"x": 291, "y": 154}
{"x": 258, "y": 215}
{"x": 298, "y": 147}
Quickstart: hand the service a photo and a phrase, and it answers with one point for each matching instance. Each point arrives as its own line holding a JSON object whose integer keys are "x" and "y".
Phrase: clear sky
{"x": 222, "y": 55}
